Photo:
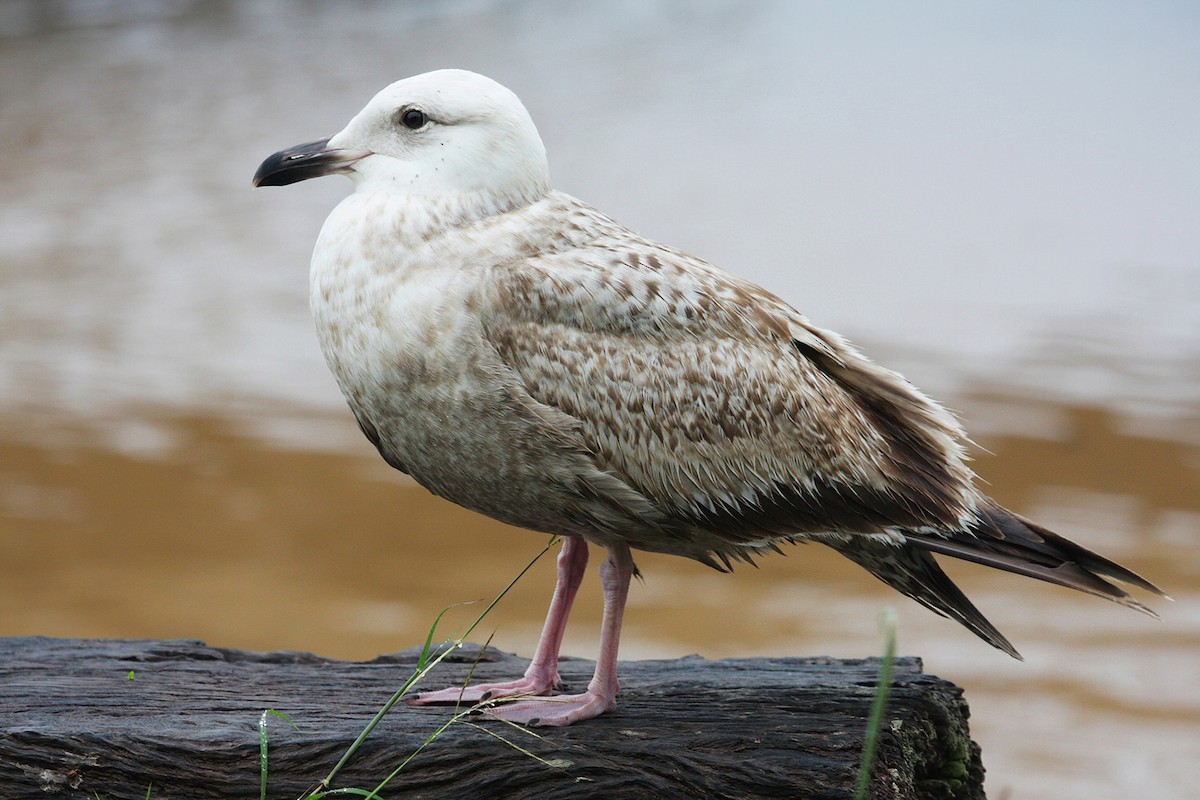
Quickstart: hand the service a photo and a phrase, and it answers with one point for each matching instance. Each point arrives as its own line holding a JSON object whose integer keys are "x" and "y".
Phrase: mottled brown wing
{"x": 719, "y": 402}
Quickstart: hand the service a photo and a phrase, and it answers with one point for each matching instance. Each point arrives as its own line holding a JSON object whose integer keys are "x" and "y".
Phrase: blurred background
{"x": 1002, "y": 200}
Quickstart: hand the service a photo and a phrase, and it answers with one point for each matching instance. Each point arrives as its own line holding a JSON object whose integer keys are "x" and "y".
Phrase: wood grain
{"x": 73, "y": 724}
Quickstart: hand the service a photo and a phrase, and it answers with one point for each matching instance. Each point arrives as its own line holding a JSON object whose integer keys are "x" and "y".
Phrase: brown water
{"x": 175, "y": 461}
{"x": 244, "y": 544}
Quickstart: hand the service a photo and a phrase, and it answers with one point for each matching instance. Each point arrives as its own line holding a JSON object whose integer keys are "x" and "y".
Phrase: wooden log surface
{"x": 117, "y": 718}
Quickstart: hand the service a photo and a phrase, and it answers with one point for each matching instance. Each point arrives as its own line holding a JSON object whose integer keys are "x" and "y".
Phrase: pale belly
{"x": 470, "y": 446}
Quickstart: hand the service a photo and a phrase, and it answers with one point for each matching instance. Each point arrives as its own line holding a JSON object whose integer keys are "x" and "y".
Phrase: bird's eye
{"x": 413, "y": 118}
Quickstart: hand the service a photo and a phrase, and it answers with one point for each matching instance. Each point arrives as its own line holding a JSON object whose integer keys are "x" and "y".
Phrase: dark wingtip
{"x": 1007, "y": 541}
{"x": 915, "y": 573}
{"x": 985, "y": 630}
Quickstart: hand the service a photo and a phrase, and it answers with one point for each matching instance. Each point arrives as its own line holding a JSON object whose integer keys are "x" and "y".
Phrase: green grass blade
{"x": 424, "y": 666}
{"x": 553, "y": 541}
{"x": 262, "y": 756}
{"x": 262, "y": 750}
{"x": 423, "y": 659}
{"x": 557, "y": 763}
{"x": 374, "y": 793}
{"x": 887, "y": 621}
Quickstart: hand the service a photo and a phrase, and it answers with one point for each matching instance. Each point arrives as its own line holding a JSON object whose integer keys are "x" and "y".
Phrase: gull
{"x": 521, "y": 354}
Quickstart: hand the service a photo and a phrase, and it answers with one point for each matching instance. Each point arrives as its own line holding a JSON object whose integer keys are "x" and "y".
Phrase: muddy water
{"x": 227, "y": 538}
{"x": 1000, "y": 203}
{"x": 222, "y": 537}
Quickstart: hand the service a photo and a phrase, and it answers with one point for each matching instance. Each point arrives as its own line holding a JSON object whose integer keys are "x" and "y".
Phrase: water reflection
{"x": 1001, "y": 202}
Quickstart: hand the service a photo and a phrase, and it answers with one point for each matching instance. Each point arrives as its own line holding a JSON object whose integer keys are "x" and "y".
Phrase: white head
{"x": 441, "y": 133}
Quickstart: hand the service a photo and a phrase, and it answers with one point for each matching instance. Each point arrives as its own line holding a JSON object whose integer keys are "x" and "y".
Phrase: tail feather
{"x": 999, "y": 539}
{"x": 915, "y": 573}
{"x": 1007, "y": 541}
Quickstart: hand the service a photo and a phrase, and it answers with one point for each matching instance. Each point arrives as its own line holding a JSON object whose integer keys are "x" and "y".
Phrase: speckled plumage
{"x": 521, "y": 354}
{"x": 639, "y": 392}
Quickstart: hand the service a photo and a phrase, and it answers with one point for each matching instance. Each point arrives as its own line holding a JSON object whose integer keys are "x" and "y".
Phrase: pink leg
{"x": 542, "y": 674}
{"x": 601, "y": 694}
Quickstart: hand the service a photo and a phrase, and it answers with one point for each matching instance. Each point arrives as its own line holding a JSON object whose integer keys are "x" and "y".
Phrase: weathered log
{"x": 116, "y": 718}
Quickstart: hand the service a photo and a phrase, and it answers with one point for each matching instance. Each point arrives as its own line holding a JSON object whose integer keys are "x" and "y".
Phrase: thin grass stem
{"x": 887, "y": 622}
{"x": 262, "y": 750}
{"x": 424, "y": 666}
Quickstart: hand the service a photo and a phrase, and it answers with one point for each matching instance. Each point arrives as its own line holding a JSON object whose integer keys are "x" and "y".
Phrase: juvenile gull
{"x": 521, "y": 354}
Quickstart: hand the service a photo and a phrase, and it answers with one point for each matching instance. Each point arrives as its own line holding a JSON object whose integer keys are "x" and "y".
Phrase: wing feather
{"x": 719, "y": 402}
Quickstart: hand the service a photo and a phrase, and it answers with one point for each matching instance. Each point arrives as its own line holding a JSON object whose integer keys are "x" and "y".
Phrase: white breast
{"x": 381, "y": 299}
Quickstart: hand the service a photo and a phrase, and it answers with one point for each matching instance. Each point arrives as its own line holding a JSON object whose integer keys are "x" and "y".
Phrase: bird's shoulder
{"x": 573, "y": 266}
